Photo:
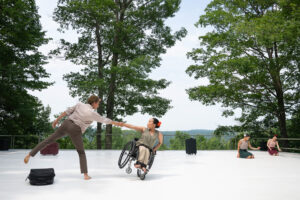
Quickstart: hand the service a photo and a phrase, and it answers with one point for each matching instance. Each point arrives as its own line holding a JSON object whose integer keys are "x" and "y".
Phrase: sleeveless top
{"x": 272, "y": 144}
{"x": 244, "y": 145}
{"x": 148, "y": 139}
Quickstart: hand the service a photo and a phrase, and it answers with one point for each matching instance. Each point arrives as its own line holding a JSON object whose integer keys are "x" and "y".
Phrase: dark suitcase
{"x": 190, "y": 146}
{"x": 41, "y": 176}
{"x": 4, "y": 144}
{"x": 51, "y": 149}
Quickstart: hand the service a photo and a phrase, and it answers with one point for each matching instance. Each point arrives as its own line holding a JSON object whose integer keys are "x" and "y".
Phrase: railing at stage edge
{"x": 167, "y": 137}
{"x": 280, "y": 140}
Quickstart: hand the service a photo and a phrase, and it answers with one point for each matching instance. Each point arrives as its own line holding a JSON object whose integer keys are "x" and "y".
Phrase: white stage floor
{"x": 216, "y": 175}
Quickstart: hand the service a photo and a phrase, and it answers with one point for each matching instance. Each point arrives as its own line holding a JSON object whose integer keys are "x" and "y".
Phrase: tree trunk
{"x": 110, "y": 103}
{"x": 98, "y": 139}
{"x": 281, "y": 111}
{"x": 112, "y": 86}
{"x": 100, "y": 90}
{"x": 275, "y": 74}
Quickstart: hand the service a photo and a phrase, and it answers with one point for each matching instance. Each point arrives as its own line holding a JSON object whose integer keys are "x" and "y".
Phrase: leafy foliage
{"x": 21, "y": 69}
{"x": 251, "y": 59}
{"x": 120, "y": 44}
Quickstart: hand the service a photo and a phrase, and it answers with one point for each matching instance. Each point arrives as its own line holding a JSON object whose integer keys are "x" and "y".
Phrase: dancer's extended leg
{"x": 59, "y": 133}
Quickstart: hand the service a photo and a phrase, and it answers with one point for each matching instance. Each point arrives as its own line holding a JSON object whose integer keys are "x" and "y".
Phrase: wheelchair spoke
{"x": 125, "y": 154}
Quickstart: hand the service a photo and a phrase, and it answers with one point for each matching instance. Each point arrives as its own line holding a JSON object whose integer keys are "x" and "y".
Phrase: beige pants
{"x": 144, "y": 154}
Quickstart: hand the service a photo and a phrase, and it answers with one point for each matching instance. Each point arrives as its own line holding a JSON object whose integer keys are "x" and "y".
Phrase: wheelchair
{"x": 129, "y": 154}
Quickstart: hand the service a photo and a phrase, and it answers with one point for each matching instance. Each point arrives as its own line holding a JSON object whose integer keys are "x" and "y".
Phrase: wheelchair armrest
{"x": 153, "y": 152}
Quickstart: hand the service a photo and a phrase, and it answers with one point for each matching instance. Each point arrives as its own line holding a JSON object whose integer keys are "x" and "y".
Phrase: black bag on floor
{"x": 4, "y": 144}
{"x": 190, "y": 146}
{"x": 41, "y": 176}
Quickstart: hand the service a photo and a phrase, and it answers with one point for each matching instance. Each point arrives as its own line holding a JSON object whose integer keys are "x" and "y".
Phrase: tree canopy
{"x": 21, "y": 68}
{"x": 120, "y": 44}
{"x": 251, "y": 58}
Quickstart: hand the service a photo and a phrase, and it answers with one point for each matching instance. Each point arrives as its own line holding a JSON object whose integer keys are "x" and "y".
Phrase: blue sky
{"x": 184, "y": 115}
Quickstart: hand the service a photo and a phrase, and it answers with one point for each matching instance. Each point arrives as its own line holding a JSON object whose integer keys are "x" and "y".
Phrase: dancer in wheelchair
{"x": 147, "y": 141}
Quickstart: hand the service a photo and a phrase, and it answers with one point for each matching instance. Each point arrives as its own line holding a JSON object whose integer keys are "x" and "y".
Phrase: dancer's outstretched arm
{"x": 101, "y": 119}
{"x": 253, "y": 148}
{"x": 137, "y": 128}
{"x": 278, "y": 146}
{"x": 68, "y": 112}
{"x": 58, "y": 119}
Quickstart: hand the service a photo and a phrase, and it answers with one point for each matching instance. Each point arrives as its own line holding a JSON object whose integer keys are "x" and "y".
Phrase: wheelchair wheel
{"x": 141, "y": 175}
{"x": 151, "y": 160}
{"x": 138, "y": 172}
{"x": 128, "y": 170}
{"x": 125, "y": 154}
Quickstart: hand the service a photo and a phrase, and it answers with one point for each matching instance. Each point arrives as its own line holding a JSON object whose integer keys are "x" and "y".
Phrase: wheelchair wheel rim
{"x": 125, "y": 155}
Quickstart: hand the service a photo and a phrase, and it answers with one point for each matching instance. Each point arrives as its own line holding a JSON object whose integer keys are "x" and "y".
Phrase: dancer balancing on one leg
{"x": 79, "y": 118}
{"x": 271, "y": 146}
{"x": 147, "y": 141}
{"x": 243, "y": 148}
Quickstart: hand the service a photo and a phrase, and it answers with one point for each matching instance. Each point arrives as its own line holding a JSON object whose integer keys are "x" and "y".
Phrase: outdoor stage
{"x": 216, "y": 175}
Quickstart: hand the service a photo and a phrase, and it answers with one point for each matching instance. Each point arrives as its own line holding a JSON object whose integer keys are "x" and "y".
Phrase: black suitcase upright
{"x": 41, "y": 176}
{"x": 190, "y": 146}
{"x": 4, "y": 144}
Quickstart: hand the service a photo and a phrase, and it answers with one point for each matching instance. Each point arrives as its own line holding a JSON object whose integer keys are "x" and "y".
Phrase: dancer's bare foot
{"x": 137, "y": 166}
{"x": 87, "y": 177}
{"x": 144, "y": 169}
{"x": 26, "y": 159}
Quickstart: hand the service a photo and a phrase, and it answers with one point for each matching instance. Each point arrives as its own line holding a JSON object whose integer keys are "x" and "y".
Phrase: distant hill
{"x": 170, "y": 134}
{"x": 191, "y": 132}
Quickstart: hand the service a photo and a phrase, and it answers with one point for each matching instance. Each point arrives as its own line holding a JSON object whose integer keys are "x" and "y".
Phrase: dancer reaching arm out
{"x": 147, "y": 141}
{"x": 79, "y": 118}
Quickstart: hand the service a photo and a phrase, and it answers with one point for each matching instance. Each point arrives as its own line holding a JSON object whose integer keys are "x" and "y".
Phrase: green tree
{"x": 178, "y": 142}
{"x": 251, "y": 59}
{"x": 118, "y": 138}
{"x": 215, "y": 143}
{"x": 201, "y": 142}
{"x": 226, "y": 130}
{"x": 21, "y": 69}
{"x": 120, "y": 43}
{"x": 293, "y": 126}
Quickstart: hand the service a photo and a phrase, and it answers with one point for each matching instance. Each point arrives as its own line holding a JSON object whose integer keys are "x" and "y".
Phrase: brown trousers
{"x": 67, "y": 128}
